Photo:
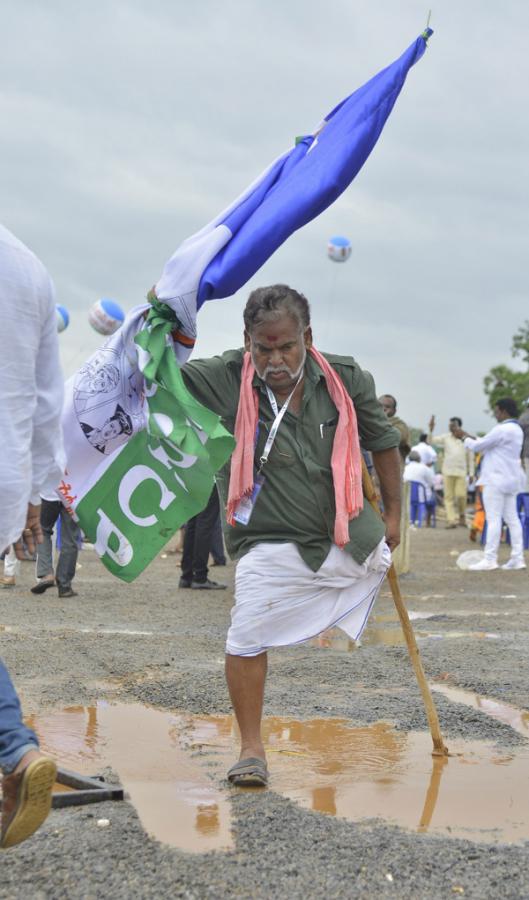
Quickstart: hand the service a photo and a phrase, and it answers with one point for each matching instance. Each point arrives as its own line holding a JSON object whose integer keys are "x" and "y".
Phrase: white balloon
{"x": 339, "y": 249}
{"x": 106, "y": 316}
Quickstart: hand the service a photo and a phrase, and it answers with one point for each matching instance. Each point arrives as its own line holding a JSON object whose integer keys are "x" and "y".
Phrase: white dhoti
{"x": 279, "y": 600}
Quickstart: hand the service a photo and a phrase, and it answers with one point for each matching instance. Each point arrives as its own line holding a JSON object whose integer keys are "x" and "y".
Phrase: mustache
{"x": 292, "y": 373}
{"x": 276, "y": 370}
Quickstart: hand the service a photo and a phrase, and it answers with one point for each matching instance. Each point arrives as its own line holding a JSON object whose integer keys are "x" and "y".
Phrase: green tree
{"x": 502, "y": 381}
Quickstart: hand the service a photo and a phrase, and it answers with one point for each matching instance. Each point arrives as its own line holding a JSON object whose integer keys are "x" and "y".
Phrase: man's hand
{"x": 459, "y": 433}
{"x": 32, "y": 533}
{"x": 431, "y": 424}
{"x": 392, "y": 532}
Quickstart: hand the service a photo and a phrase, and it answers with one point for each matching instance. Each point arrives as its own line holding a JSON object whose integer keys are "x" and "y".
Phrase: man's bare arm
{"x": 387, "y": 466}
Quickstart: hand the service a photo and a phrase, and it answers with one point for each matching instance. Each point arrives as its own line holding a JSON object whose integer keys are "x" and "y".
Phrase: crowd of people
{"x": 309, "y": 553}
{"x": 494, "y": 468}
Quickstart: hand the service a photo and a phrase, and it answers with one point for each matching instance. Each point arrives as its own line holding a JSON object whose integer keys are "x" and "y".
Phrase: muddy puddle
{"x": 173, "y": 767}
{"x": 517, "y": 719}
{"x": 177, "y": 800}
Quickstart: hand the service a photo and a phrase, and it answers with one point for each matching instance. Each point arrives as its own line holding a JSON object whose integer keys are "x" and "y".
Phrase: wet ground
{"x": 127, "y": 680}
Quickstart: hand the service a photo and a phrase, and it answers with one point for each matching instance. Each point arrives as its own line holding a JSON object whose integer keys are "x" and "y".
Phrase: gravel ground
{"x": 74, "y": 652}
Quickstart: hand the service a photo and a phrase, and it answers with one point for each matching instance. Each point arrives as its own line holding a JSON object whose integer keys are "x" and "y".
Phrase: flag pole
{"x": 439, "y": 747}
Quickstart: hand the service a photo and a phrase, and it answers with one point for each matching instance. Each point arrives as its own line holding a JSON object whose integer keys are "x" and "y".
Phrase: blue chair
{"x": 420, "y": 506}
{"x": 431, "y": 506}
{"x": 417, "y": 503}
{"x": 522, "y": 508}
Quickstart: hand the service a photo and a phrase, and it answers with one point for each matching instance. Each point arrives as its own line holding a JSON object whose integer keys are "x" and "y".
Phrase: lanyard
{"x": 279, "y": 413}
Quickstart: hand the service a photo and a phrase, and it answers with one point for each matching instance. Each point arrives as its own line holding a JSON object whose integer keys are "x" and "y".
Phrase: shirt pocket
{"x": 324, "y": 442}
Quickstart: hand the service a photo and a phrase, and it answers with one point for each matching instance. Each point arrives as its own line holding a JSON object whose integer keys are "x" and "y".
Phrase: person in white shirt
{"x": 458, "y": 464}
{"x": 31, "y": 396}
{"x": 501, "y": 478}
{"x": 415, "y": 470}
{"x": 426, "y": 453}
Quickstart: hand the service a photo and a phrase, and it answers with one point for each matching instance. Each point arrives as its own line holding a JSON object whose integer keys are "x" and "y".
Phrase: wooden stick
{"x": 439, "y": 747}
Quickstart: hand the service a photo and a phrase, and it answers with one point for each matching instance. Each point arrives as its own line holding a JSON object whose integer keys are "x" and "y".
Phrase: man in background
{"x": 31, "y": 395}
{"x": 11, "y": 568}
{"x": 197, "y": 545}
{"x": 426, "y": 453}
{"x": 401, "y": 556}
{"x": 458, "y": 464}
{"x": 52, "y": 512}
{"x": 501, "y": 477}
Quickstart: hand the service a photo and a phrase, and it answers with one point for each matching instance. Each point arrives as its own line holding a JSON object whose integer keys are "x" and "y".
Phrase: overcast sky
{"x": 126, "y": 126}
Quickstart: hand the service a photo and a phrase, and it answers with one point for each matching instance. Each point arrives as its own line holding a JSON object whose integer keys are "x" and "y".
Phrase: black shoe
{"x": 184, "y": 583}
{"x": 208, "y": 585}
{"x": 67, "y": 592}
{"x": 42, "y": 585}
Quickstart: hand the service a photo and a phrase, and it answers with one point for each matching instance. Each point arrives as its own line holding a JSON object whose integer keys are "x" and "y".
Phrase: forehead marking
{"x": 271, "y": 337}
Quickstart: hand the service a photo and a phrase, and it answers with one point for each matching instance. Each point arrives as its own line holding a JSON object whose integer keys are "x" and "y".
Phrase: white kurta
{"x": 279, "y": 600}
{"x": 31, "y": 386}
{"x": 501, "y": 467}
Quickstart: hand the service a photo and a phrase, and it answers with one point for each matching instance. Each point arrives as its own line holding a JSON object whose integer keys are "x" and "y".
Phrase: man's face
{"x": 388, "y": 406}
{"x": 453, "y": 426}
{"x": 278, "y": 349}
{"x": 500, "y": 414}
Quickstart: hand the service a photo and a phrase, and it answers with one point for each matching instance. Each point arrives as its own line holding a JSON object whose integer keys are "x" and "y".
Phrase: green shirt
{"x": 296, "y": 502}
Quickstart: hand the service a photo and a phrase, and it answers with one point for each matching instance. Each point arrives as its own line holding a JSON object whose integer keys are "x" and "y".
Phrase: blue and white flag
{"x": 218, "y": 260}
{"x": 141, "y": 452}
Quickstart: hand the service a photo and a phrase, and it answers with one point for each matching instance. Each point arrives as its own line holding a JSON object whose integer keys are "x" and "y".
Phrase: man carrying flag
{"x": 132, "y": 486}
{"x": 310, "y": 554}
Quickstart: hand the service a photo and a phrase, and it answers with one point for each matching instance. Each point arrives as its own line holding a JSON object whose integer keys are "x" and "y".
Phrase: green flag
{"x": 163, "y": 475}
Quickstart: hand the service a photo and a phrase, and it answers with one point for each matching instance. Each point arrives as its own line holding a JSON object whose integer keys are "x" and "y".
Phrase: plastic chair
{"x": 431, "y": 506}
{"x": 418, "y": 505}
{"x": 522, "y": 508}
{"x": 522, "y": 505}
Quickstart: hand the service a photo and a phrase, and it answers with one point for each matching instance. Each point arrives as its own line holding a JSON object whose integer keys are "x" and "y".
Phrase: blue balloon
{"x": 63, "y": 317}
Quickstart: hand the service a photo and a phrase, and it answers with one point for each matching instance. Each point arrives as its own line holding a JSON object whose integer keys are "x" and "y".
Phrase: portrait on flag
{"x": 108, "y": 383}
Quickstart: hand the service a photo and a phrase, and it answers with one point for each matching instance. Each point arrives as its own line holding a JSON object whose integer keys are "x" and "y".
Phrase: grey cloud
{"x": 127, "y": 126}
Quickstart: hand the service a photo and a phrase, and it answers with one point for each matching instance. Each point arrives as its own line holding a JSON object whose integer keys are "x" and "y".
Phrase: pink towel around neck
{"x": 346, "y": 461}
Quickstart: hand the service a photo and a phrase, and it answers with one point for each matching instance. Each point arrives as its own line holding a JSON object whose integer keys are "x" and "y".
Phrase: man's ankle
{"x": 25, "y": 760}
{"x": 255, "y": 748}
